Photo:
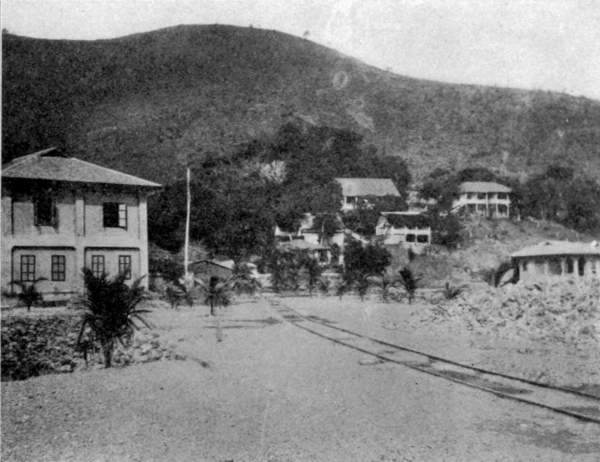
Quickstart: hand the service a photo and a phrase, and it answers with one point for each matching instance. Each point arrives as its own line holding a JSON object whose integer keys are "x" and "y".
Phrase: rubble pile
{"x": 557, "y": 310}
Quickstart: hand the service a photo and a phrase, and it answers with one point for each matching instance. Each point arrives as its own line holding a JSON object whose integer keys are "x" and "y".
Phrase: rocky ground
{"x": 547, "y": 332}
{"x": 269, "y": 391}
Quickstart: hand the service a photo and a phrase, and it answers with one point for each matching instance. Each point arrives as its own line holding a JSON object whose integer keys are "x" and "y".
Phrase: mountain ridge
{"x": 145, "y": 103}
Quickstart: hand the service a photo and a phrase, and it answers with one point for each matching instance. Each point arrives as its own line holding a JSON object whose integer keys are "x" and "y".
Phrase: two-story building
{"x": 61, "y": 214}
{"x": 410, "y": 229}
{"x": 357, "y": 190}
{"x": 483, "y": 198}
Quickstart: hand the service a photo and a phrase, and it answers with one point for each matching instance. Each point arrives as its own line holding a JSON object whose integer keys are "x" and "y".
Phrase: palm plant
{"x": 216, "y": 293}
{"x": 451, "y": 292}
{"x": 243, "y": 281}
{"x": 176, "y": 292}
{"x": 409, "y": 282}
{"x": 111, "y": 311}
{"x": 29, "y": 295}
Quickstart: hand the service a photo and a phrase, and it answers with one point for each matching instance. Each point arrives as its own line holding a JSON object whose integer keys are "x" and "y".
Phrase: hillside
{"x": 142, "y": 103}
{"x": 487, "y": 244}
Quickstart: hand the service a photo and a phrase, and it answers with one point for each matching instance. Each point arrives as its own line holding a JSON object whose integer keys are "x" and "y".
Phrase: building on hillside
{"x": 60, "y": 214}
{"x": 558, "y": 258}
{"x": 311, "y": 239}
{"x": 206, "y": 269}
{"x": 483, "y": 198}
{"x": 357, "y": 190}
{"x": 409, "y": 229}
{"x": 417, "y": 203}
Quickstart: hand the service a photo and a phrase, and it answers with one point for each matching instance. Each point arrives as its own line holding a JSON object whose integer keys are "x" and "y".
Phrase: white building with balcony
{"x": 483, "y": 198}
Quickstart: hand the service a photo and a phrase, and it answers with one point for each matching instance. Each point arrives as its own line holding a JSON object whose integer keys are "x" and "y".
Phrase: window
{"x": 58, "y": 268}
{"x": 502, "y": 209}
{"x": 410, "y": 238}
{"x": 502, "y": 196}
{"x": 114, "y": 215}
{"x": 98, "y": 265}
{"x": 570, "y": 265}
{"x": 27, "y": 267}
{"x": 422, "y": 238}
{"x": 481, "y": 196}
{"x": 470, "y": 195}
{"x": 481, "y": 208}
{"x": 581, "y": 266}
{"x": 125, "y": 265}
{"x": 471, "y": 208}
{"x": 44, "y": 211}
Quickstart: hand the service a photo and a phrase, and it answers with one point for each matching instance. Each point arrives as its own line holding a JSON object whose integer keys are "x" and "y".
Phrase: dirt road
{"x": 271, "y": 392}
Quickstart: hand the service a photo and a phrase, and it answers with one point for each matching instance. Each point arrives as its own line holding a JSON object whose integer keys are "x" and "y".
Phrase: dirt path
{"x": 271, "y": 392}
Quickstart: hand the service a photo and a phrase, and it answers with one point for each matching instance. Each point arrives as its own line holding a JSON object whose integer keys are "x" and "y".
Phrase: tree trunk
{"x": 212, "y": 308}
{"x": 107, "y": 350}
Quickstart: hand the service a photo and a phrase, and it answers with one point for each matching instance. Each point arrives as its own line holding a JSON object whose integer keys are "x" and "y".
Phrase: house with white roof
{"x": 483, "y": 198}
{"x": 61, "y": 214}
{"x": 410, "y": 229}
{"x": 558, "y": 258}
{"x": 357, "y": 190}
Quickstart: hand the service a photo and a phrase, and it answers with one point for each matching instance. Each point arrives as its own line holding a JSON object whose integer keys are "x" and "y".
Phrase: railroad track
{"x": 566, "y": 401}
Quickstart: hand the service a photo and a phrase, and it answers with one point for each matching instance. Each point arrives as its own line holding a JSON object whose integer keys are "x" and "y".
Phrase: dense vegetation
{"x": 147, "y": 102}
{"x": 238, "y": 200}
{"x": 558, "y": 194}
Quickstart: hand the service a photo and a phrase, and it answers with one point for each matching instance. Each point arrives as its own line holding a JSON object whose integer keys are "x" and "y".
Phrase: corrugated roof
{"x": 548, "y": 248}
{"x": 408, "y": 219}
{"x": 483, "y": 187}
{"x": 367, "y": 187}
{"x": 49, "y": 164}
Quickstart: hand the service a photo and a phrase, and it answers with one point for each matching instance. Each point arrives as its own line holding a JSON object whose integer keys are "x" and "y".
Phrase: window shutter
{"x": 35, "y": 211}
{"x": 54, "y": 215}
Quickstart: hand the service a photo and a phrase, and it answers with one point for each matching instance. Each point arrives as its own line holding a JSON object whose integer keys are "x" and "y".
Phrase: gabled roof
{"x": 49, "y": 164}
{"x": 483, "y": 187}
{"x": 549, "y": 248}
{"x": 367, "y": 187}
{"x": 406, "y": 219}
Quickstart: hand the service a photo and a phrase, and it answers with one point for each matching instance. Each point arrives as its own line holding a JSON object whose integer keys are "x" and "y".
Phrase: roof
{"x": 483, "y": 187}
{"x": 559, "y": 248}
{"x": 49, "y": 164}
{"x": 226, "y": 264}
{"x": 367, "y": 187}
{"x": 408, "y": 219}
{"x": 301, "y": 244}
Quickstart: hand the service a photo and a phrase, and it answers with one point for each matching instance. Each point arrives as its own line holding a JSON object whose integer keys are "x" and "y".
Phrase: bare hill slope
{"x": 142, "y": 103}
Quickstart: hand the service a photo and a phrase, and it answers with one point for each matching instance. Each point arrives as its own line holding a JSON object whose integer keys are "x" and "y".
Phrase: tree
{"x": 313, "y": 272}
{"x": 409, "y": 282}
{"x": 111, "y": 310}
{"x": 446, "y": 228}
{"x": 29, "y": 295}
{"x": 362, "y": 262}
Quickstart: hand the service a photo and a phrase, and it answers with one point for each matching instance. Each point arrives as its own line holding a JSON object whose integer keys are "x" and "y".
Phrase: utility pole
{"x": 186, "y": 262}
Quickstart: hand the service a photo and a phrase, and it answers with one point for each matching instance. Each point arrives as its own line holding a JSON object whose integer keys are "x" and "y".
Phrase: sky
{"x": 533, "y": 44}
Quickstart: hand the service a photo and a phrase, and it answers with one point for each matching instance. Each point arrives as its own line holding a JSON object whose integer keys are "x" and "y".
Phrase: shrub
{"x": 451, "y": 292}
{"x": 111, "y": 311}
